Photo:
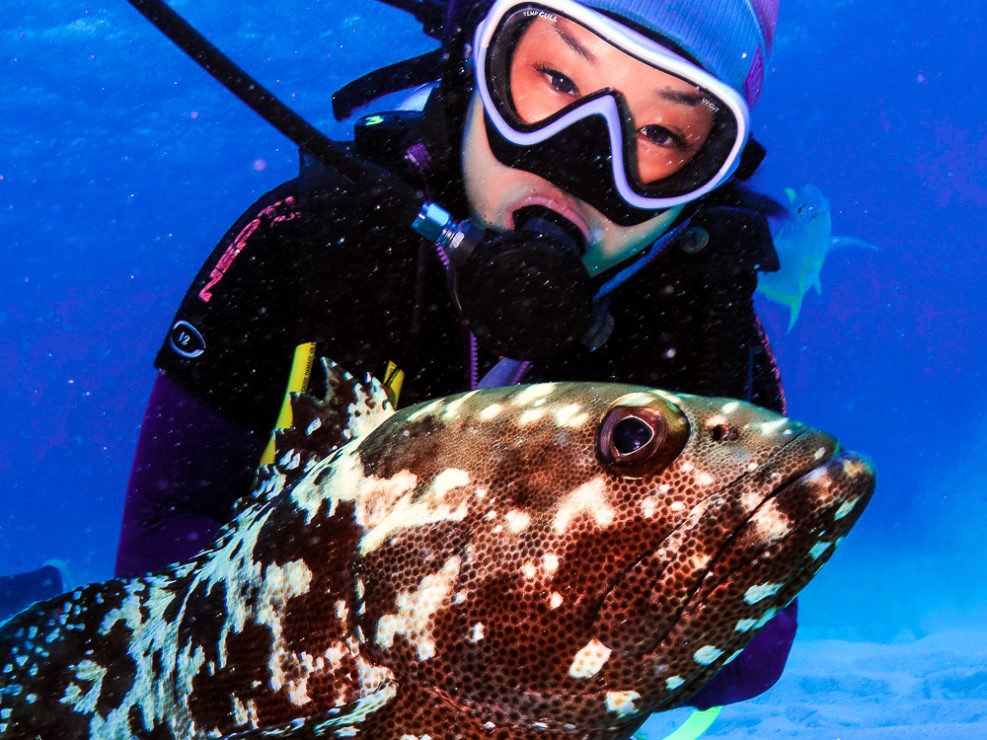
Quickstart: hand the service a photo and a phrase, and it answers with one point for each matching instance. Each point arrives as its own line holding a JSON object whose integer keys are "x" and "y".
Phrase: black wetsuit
{"x": 313, "y": 261}
{"x": 368, "y": 293}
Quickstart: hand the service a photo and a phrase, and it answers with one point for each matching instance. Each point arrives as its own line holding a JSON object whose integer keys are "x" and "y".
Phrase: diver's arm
{"x": 223, "y": 367}
{"x": 191, "y": 462}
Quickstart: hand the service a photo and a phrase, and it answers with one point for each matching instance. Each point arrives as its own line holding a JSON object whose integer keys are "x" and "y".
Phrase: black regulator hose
{"x": 404, "y": 202}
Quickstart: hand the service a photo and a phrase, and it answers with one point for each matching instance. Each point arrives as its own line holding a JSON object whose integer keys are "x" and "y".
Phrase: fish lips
{"x": 740, "y": 553}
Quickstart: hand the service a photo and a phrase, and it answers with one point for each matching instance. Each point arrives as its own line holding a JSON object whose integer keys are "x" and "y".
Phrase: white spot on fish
{"x": 490, "y": 411}
{"x": 589, "y": 660}
{"x": 316, "y": 423}
{"x": 729, "y": 407}
{"x": 819, "y": 548}
{"x": 452, "y": 409}
{"x": 476, "y": 633}
{"x": 621, "y": 703}
{"x": 528, "y": 570}
{"x": 530, "y": 416}
{"x": 772, "y": 427}
{"x": 771, "y": 522}
{"x": 648, "y": 506}
{"x": 550, "y": 563}
{"x": 854, "y": 468}
{"x": 674, "y": 682}
{"x": 745, "y": 625}
{"x": 757, "y": 593}
{"x": 407, "y": 513}
{"x": 732, "y": 658}
{"x": 416, "y": 610}
{"x": 704, "y": 479}
{"x": 517, "y": 521}
{"x": 569, "y": 416}
{"x": 290, "y": 460}
{"x": 589, "y": 498}
{"x": 448, "y": 479}
{"x": 427, "y": 410}
{"x": 845, "y": 509}
{"x": 555, "y": 600}
{"x": 532, "y": 393}
{"x": 706, "y": 654}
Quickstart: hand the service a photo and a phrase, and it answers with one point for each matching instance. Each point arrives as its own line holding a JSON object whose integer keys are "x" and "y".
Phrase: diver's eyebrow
{"x": 682, "y": 97}
{"x": 574, "y": 44}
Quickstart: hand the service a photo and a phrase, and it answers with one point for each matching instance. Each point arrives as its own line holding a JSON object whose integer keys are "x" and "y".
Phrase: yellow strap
{"x": 393, "y": 380}
{"x": 298, "y": 378}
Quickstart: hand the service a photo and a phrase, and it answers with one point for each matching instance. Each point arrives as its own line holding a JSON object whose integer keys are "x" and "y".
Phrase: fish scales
{"x": 506, "y": 563}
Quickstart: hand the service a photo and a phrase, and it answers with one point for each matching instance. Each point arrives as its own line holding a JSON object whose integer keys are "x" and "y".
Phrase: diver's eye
{"x": 639, "y": 439}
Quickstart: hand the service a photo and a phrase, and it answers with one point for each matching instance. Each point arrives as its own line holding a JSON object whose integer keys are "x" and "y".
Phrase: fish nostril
{"x": 723, "y": 433}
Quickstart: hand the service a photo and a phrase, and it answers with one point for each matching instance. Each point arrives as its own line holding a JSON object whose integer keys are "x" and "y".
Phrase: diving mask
{"x": 603, "y": 111}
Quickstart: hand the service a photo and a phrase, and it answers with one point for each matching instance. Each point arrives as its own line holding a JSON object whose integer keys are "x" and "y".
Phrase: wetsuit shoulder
{"x": 228, "y": 344}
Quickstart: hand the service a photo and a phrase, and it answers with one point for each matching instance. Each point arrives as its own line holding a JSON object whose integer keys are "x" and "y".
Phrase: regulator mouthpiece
{"x": 525, "y": 293}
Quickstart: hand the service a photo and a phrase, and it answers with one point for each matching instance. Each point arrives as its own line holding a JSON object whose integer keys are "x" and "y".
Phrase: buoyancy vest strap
{"x": 393, "y": 380}
{"x": 298, "y": 380}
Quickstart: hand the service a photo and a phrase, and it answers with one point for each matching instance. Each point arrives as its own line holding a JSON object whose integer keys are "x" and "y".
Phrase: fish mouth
{"x": 777, "y": 550}
{"x": 744, "y": 552}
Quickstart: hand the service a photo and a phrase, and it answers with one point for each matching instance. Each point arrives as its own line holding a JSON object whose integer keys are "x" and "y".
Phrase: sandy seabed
{"x": 933, "y": 687}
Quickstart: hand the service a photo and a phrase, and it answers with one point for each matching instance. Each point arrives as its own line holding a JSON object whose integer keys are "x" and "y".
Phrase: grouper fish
{"x": 552, "y": 560}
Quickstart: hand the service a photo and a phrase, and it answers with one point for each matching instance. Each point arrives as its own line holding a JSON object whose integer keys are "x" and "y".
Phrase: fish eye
{"x": 641, "y": 439}
{"x": 631, "y": 434}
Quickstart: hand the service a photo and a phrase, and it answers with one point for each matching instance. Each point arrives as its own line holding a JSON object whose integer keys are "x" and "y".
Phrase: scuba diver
{"x": 603, "y": 144}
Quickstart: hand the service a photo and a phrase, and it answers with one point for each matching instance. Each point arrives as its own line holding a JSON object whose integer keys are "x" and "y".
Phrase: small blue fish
{"x": 802, "y": 242}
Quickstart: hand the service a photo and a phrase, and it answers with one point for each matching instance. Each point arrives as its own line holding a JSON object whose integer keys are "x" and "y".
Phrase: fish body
{"x": 506, "y": 563}
{"x": 803, "y": 241}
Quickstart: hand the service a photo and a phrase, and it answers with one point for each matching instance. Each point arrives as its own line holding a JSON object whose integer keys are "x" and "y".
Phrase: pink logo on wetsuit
{"x": 234, "y": 249}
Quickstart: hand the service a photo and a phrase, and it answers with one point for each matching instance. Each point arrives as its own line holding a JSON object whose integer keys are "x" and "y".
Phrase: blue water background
{"x": 122, "y": 163}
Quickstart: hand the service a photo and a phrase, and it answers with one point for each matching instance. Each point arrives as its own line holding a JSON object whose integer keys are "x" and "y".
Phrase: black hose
{"x": 403, "y": 201}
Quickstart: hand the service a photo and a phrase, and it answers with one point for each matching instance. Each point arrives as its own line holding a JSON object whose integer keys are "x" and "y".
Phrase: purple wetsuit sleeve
{"x": 757, "y": 668}
{"x": 191, "y": 465}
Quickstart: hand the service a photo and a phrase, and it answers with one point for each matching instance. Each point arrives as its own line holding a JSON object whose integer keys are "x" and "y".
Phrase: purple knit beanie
{"x": 729, "y": 38}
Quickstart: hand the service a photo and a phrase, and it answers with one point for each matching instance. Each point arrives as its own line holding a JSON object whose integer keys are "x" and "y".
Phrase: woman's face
{"x": 555, "y": 63}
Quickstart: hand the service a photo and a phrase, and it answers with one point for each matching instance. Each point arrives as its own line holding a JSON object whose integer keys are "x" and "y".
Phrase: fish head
{"x": 577, "y": 556}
